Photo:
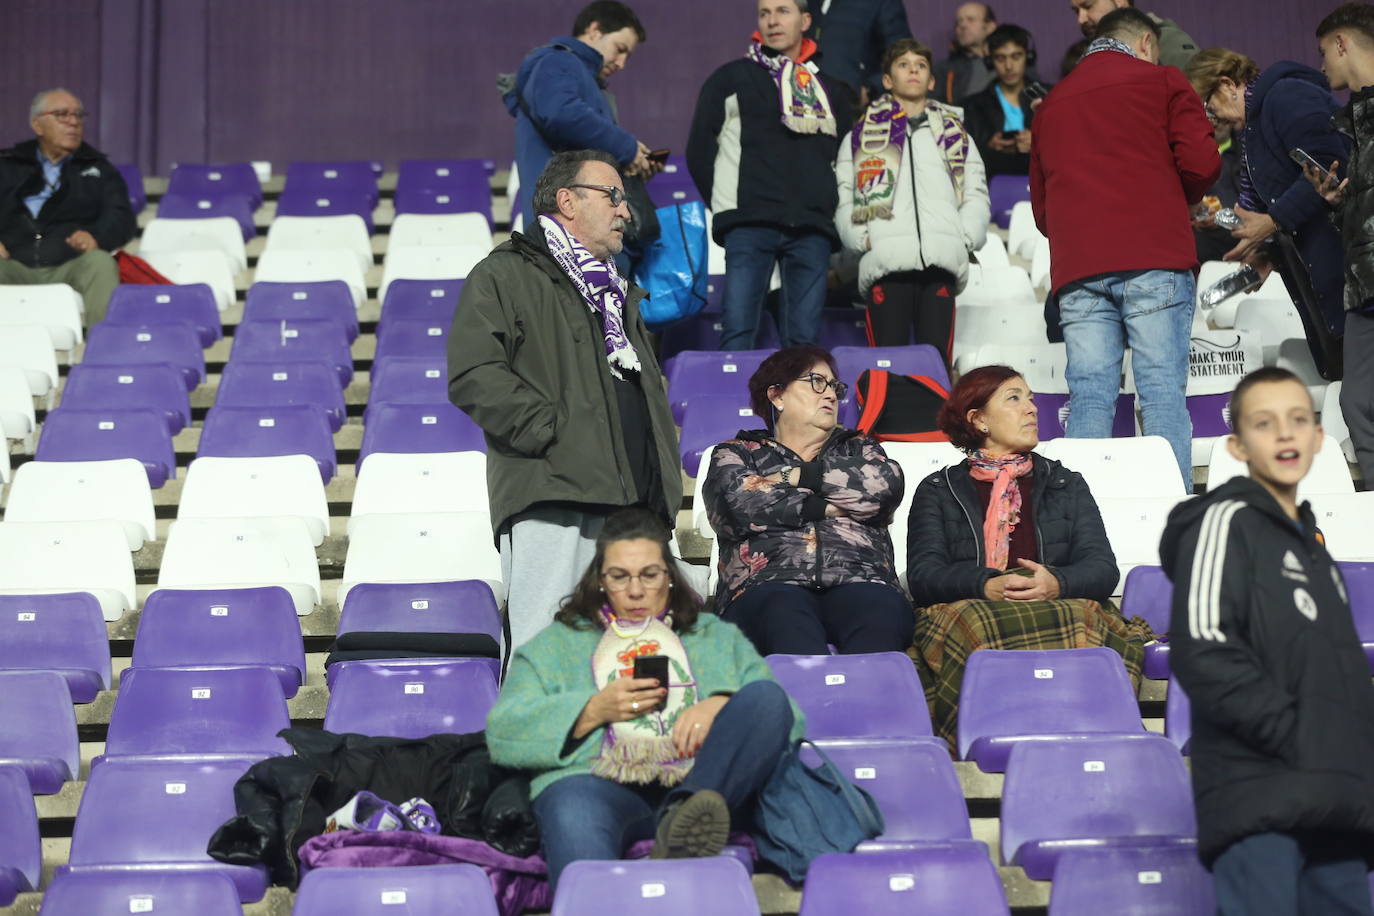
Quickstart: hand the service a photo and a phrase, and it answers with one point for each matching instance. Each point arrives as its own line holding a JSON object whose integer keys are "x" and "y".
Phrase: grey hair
{"x": 562, "y": 172}
{"x": 41, "y": 99}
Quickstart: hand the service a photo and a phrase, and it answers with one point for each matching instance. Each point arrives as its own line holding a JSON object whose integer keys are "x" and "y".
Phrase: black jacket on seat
{"x": 945, "y": 551}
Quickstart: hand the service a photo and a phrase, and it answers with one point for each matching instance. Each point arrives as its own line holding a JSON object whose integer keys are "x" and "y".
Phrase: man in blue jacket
{"x": 559, "y": 100}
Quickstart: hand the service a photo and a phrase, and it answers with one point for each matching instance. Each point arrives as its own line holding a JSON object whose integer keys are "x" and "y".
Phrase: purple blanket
{"x": 517, "y": 884}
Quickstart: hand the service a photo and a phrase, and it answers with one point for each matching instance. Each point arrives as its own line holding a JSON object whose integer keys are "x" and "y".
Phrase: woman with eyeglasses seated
{"x": 801, "y": 510}
{"x": 616, "y": 758}
{"x": 1006, "y": 549}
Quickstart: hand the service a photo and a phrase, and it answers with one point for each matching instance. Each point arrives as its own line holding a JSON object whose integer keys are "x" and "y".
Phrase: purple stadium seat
{"x": 144, "y": 815}
{"x": 216, "y": 180}
{"x": 154, "y": 386}
{"x": 410, "y": 702}
{"x": 1054, "y": 415}
{"x": 412, "y": 337}
{"x": 151, "y": 304}
{"x": 1005, "y": 192}
{"x": 843, "y": 327}
{"x": 917, "y": 359}
{"x": 702, "y": 332}
{"x": 427, "y": 607}
{"x": 1359, "y": 585}
{"x": 669, "y": 188}
{"x": 303, "y": 340}
{"x": 273, "y": 384}
{"x": 141, "y": 892}
{"x": 215, "y": 628}
{"x": 1147, "y": 880}
{"x": 435, "y": 890}
{"x": 239, "y": 207}
{"x": 327, "y": 202}
{"x": 1178, "y": 717}
{"x": 176, "y": 345}
{"x": 710, "y": 420}
{"x": 38, "y": 729}
{"x": 330, "y": 300}
{"x": 72, "y": 434}
{"x": 133, "y": 180}
{"x": 20, "y": 849}
{"x": 718, "y": 885}
{"x": 899, "y": 882}
{"x": 457, "y": 199}
{"x": 408, "y": 380}
{"x": 64, "y": 633}
{"x": 441, "y": 173}
{"x": 422, "y": 300}
{"x": 1095, "y": 792}
{"x": 328, "y": 177}
{"x": 201, "y": 713}
{"x": 1209, "y": 413}
{"x": 1011, "y": 697}
{"x": 414, "y": 428}
{"x": 914, "y": 784}
{"x": 874, "y": 695}
{"x": 1149, "y": 594}
{"x": 695, "y": 373}
{"x": 262, "y": 432}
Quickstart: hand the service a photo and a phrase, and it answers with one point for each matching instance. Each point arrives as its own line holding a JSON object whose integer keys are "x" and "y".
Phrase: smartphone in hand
{"x": 654, "y": 666}
{"x": 1302, "y": 157}
{"x": 659, "y": 155}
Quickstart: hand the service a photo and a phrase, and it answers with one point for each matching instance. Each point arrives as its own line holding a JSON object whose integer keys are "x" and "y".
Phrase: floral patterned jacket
{"x": 772, "y": 532}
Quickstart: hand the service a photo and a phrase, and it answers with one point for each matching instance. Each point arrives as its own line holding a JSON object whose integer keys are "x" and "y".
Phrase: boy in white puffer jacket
{"x": 913, "y": 199}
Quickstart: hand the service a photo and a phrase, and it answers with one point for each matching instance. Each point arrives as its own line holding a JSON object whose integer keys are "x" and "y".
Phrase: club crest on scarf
{"x": 802, "y": 99}
{"x": 878, "y": 143}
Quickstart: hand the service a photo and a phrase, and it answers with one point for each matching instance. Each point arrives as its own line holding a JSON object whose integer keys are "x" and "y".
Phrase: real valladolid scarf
{"x": 641, "y": 750}
{"x": 803, "y": 100}
{"x": 602, "y": 288}
{"x": 878, "y": 142}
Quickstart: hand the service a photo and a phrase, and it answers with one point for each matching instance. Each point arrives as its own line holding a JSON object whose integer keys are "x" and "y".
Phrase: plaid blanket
{"x": 947, "y": 634}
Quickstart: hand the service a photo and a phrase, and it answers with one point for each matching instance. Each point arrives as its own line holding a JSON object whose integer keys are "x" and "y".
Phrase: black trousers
{"x": 796, "y": 620}
{"x": 915, "y": 304}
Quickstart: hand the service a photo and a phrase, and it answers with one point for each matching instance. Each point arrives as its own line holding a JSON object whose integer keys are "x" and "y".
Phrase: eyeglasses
{"x": 617, "y": 580}
{"x": 617, "y": 195}
{"x": 819, "y": 383}
{"x": 63, "y": 114}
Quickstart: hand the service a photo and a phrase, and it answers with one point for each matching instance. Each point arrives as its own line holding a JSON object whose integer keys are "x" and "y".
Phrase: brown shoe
{"x": 695, "y": 827}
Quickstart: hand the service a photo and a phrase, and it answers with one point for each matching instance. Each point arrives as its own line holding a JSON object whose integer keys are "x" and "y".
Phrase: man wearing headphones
{"x": 999, "y": 118}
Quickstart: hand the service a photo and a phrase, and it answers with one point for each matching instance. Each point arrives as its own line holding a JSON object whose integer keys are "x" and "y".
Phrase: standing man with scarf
{"x": 550, "y": 357}
{"x": 1122, "y": 151}
{"x": 761, "y": 151}
{"x": 913, "y": 203}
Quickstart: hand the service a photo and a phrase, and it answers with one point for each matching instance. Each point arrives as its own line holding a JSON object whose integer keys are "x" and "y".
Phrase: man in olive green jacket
{"x": 549, "y": 355}
{"x": 1176, "y": 47}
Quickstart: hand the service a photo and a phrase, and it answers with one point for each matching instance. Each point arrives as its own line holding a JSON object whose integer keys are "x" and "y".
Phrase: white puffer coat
{"x": 929, "y": 227}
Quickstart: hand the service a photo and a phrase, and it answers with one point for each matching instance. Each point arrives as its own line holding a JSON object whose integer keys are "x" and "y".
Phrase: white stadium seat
{"x": 1333, "y": 422}
{"x": 16, "y": 403}
{"x": 212, "y": 268}
{"x": 1329, "y": 473}
{"x": 439, "y": 230}
{"x": 48, "y": 557}
{"x": 1022, "y": 232}
{"x": 30, "y": 348}
{"x": 449, "y": 262}
{"x": 56, "y": 307}
{"x": 993, "y": 253}
{"x": 317, "y": 233}
{"x": 1344, "y": 522}
{"x": 1134, "y": 527}
{"x": 417, "y": 483}
{"x": 1138, "y": 466}
{"x": 85, "y": 491}
{"x": 216, "y": 233}
{"x": 309, "y": 265}
{"x": 422, "y": 547}
{"x": 257, "y": 488}
{"x": 243, "y": 553}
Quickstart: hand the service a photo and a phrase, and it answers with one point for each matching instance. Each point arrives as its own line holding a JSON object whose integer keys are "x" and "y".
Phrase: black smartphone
{"x": 1302, "y": 157}
{"x": 659, "y": 155}
{"x": 654, "y": 666}
{"x": 1008, "y": 135}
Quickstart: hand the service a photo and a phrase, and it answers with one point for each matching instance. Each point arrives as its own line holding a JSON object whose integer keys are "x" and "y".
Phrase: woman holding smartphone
{"x": 617, "y": 752}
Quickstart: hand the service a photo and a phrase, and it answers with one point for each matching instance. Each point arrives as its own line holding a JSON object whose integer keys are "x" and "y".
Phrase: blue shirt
{"x": 52, "y": 177}
{"x": 1013, "y": 118}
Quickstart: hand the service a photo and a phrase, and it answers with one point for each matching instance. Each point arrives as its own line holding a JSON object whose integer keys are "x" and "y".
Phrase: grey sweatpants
{"x": 544, "y": 552}
{"x": 1357, "y": 390}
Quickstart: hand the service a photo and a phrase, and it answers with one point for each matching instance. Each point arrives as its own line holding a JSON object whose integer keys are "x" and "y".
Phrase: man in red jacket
{"x": 1122, "y": 148}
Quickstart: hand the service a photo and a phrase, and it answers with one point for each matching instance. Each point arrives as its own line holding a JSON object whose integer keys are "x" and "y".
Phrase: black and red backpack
{"x": 900, "y": 408}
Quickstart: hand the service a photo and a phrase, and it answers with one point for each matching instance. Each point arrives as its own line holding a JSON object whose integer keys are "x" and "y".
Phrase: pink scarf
{"x": 1004, "y": 508}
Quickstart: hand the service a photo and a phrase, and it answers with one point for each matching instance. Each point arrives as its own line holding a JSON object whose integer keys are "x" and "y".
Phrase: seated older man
{"x": 63, "y": 206}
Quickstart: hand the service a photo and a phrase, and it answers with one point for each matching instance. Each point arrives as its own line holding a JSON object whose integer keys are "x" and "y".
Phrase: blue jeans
{"x": 587, "y": 817}
{"x": 750, "y": 253}
{"x": 1281, "y": 875}
{"x": 1152, "y": 312}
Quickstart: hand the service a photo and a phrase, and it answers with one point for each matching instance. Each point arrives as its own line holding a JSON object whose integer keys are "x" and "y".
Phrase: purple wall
{"x": 200, "y": 80}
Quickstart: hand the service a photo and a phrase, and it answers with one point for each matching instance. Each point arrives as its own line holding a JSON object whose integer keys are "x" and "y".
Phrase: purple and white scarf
{"x": 878, "y": 141}
{"x": 602, "y": 288}
{"x": 801, "y": 97}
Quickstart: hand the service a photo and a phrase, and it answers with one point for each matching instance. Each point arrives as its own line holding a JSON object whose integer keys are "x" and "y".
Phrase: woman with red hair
{"x": 1006, "y": 549}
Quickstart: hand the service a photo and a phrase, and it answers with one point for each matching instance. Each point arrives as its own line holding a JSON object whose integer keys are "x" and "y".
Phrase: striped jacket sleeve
{"x": 1223, "y": 675}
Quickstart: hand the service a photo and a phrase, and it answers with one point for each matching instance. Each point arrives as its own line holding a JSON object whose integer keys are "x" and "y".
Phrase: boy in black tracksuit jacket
{"x": 1264, "y": 645}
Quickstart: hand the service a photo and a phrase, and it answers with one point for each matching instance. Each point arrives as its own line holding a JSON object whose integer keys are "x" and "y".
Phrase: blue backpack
{"x": 673, "y": 266}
